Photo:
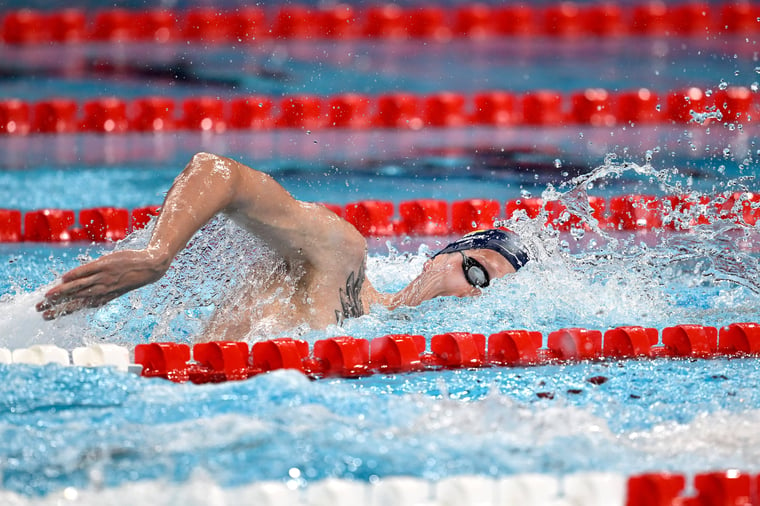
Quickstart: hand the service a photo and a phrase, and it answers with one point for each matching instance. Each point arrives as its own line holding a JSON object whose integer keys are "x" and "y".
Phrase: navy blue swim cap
{"x": 505, "y": 242}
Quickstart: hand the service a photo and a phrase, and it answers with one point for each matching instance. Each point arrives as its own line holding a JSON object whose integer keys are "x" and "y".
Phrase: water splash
{"x": 592, "y": 276}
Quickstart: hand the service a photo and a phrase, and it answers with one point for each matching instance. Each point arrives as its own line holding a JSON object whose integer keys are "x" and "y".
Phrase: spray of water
{"x": 592, "y": 276}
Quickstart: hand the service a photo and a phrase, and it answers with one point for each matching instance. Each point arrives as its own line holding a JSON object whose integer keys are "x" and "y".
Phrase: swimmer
{"x": 325, "y": 254}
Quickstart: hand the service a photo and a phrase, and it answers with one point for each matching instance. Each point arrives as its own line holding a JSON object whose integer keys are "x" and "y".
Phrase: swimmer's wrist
{"x": 159, "y": 259}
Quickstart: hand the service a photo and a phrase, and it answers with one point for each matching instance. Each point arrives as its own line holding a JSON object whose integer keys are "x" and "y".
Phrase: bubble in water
{"x": 557, "y": 163}
{"x": 723, "y": 85}
{"x": 577, "y": 233}
{"x": 757, "y": 70}
{"x": 727, "y": 152}
{"x": 754, "y": 86}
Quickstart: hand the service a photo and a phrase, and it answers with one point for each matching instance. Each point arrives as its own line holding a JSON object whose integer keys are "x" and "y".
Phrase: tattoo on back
{"x": 350, "y": 298}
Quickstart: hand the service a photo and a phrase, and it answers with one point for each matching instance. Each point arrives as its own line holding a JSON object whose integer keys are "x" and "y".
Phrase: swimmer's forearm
{"x": 204, "y": 188}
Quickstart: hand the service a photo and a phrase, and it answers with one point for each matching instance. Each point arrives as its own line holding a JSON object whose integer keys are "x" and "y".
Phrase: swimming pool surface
{"x": 103, "y": 435}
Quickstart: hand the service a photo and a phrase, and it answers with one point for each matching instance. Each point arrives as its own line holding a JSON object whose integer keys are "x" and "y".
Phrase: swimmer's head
{"x": 504, "y": 242}
{"x": 466, "y": 266}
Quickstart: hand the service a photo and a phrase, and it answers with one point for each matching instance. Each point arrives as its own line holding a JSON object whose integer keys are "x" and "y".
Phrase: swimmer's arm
{"x": 211, "y": 184}
{"x": 208, "y": 185}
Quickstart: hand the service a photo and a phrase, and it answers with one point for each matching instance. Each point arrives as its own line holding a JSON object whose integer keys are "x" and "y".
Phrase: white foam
{"x": 22, "y": 326}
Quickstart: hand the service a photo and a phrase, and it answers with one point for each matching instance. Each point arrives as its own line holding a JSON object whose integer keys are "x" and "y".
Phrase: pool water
{"x": 102, "y": 432}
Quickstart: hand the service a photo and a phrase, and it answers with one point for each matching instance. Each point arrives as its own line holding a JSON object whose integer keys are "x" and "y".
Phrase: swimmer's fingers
{"x": 83, "y": 287}
{"x": 52, "y": 311}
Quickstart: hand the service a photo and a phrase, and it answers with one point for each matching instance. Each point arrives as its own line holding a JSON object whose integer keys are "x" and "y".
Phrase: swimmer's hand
{"x": 102, "y": 280}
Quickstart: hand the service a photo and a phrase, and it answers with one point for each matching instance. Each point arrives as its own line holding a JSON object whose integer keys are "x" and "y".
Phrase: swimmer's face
{"x": 444, "y": 276}
{"x": 465, "y": 273}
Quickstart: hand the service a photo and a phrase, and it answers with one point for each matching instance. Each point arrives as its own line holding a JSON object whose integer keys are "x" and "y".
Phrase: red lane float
{"x": 106, "y": 115}
{"x": 51, "y": 225}
{"x": 205, "y": 114}
{"x": 424, "y": 217}
{"x": 10, "y": 225}
{"x": 371, "y": 217}
{"x": 445, "y": 110}
{"x": 164, "y": 360}
{"x": 497, "y": 108}
{"x": 397, "y": 353}
{"x": 142, "y": 215}
{"x": 153, "y": 114}
{"x": 457, "y": 350}
{"x": 105, "y": 223}
{"x": 629, "y": 342}
{"x": 55, "y": 116}
{"x": 473, "y": 214}
{"x": 251, "y": 113}
{"x": 219, "y": 361}
{"x": 342, "y": 356}
{"x": 514, "y": 347}
{"x": 350, "y": 110}
{"x": 542, "y": 108}
{"x": 14, "y": 117}
{"x": 205, "y": 25}
{"x": 635, "y": 212}
{"x": 690, "y": 340}
{"x": 398, "y": 110}
{"x": 724, "y": 488}
{"x": 575, "y": 344}
{"x": 654, "y": 489}
{"x": 301, "y": 111}
{"x": 739, "y": 339}
{"x": 284, "y": 353}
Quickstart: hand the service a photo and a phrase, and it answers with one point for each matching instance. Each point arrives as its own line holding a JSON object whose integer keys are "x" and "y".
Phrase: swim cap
{"x": 505, "y": 242}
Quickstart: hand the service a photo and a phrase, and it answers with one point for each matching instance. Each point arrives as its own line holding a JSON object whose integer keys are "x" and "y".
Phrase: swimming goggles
{"x": 474, "y": 272}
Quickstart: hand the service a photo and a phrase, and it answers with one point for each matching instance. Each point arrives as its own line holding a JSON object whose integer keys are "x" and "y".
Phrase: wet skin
{"x": 324, "y": 254}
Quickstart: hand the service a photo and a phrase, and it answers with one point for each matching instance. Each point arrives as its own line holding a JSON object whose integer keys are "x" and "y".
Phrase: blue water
{"x": 80, "y": 427}
{"x": 97, "y": 429}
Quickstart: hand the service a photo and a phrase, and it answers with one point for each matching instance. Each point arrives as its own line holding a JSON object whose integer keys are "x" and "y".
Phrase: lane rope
{"x": 734, "y": 105}
{"x": 383, "y": 21}
{"x": 421, "y": 217}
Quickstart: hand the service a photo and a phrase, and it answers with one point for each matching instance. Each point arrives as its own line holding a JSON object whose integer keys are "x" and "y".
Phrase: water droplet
{"x": 727, "y": 153}
{"x": 723, "y": 85}
{"x": 557, "y": 163}
{"x": 755, "y": 86}
{"x": 757, "y": 70}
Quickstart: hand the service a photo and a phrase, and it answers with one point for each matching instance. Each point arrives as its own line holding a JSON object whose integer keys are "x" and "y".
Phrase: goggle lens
{"x": 474, "y": 272}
